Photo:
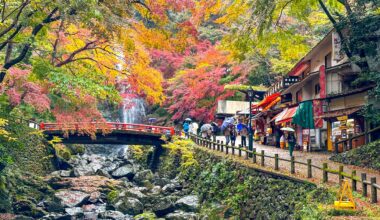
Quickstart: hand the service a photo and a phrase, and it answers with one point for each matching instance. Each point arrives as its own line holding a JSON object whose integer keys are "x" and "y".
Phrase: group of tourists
{"x": 231, "y": 130}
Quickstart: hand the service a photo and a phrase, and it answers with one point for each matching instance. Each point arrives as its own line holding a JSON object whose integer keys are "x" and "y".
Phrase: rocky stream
{"x": 106, "y": 183}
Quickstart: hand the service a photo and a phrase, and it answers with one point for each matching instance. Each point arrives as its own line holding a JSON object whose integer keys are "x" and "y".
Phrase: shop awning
{"x": 340, "y": 112}
{"x": 299, "y": 68}
{"x": 274, "y": 102}
{"x": 304, "y": 115}
{"x": 286, "y": 115}
{"x": 266, "y": 101}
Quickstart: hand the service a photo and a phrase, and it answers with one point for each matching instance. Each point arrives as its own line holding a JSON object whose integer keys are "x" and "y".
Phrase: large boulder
{"x": 163, "y": 206}
{"x": 181, "y": 215}
{"x": 71, "y": 198}
{"x": 83, "y": 171}
{"x": 161, "y": 181}
{"x": 169, "y": 188}
{"x": 142, "y": 176}
{"x": 128, "y": 205}
{"x": 188, "y": 203}
{"x": 124, "y": 171}
{"x": 114, "y": 215}
{"x": 135, "y": 193}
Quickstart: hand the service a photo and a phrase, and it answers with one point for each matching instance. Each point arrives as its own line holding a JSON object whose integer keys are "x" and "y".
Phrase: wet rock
{"x": 169, "y": 188}
{"x": 65, "y": 173}
{"x": 74, "y": 211}
{"x": 156, "y": 190}
{"x": 71, "y": 198}
{"x": 83, "y": 171}
{"x": 145, "y": 175}
{"x": 110, "y": 166}
{"x": 115, "y": 215}
{"x": 181, "y": 215}
{"x": 124, "y": 171}
{"x": 57, "y": 216}
{"x": 163, "y": 207}
{"x": 188, "y": 203}
{"x": 90, "y": 215}
{"x": 103, "y": 172}
{"x": 22, "y": 217}
{"x": 94, "y": 208}
{"x": 53, "y": 205}
{"x": 131, "y": 206}
{"x": 135, "y": 193}
{"x": 95, "y": 197}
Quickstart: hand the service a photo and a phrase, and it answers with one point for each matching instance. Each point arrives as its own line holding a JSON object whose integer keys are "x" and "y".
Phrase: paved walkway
{"x": 318, "y": 158}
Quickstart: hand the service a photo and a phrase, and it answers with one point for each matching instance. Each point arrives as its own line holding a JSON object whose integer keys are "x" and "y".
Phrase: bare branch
{"x": 87, "y": 46}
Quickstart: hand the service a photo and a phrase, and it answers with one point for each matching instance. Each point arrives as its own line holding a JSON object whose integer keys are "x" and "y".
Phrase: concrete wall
{"x": 355, "y": 100}
{"x": 231, "y": 107}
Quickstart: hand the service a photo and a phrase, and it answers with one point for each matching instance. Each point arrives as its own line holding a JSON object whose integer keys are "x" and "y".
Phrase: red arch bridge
{"x": 107, "y": 133}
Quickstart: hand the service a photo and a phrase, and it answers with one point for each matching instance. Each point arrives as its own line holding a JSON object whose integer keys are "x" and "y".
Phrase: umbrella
{"x": 227, "y": 122}
{"x": 287, "y": 129}
{"x": 188, "y": 119}
{"x": 206, "y": 127}
{"x": 240, "y": 126}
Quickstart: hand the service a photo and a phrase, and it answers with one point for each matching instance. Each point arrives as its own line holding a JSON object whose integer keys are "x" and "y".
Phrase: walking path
{"x": 318, "y": 158}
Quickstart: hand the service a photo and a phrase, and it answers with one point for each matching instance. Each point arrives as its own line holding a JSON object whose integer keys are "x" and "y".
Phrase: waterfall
{"x": 133, "y": 110}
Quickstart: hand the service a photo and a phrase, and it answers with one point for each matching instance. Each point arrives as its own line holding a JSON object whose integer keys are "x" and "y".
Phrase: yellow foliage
{"x": 183, "y": 147}
{"x": 3, "y": 132}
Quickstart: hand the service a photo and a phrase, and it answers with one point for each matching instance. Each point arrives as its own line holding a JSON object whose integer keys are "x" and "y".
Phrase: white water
{"x": 133, "y": 111}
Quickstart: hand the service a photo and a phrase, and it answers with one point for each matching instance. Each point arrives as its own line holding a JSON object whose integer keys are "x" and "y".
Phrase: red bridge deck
{"x": 113, "y": 126}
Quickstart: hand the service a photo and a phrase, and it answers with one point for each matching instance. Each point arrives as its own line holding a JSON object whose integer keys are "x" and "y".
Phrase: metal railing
{"x": 311, "y": 168}
{"x": 107, "y": 126}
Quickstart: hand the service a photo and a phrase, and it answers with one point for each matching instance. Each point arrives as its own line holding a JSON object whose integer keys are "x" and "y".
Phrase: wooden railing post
{"x": 226, "y": 149}
{"x": 239, "y": 150}
{"x": 292, "y": 165}
{"x": 217, "y": 145}
{"x": 262, "y": 158}
{"x": 309, "y": 173}
{"x": 364, "y": 185}
{"x": 354, "y": 182}
{"x": 340, "y": 174}
{"x": 233, "y": 150}
{"x": 276, "y": 162}
{"x": 246, "y": 154}
{"x": 254, "y": 155}
{"x": 373, "y": 190}
{"x": 221, "y": 146}
{"x": 325, "y": 173}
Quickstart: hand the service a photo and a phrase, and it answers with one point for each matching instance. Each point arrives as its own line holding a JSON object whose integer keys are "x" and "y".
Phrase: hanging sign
{"x": 342, "y": 118}
{"x": 290, "y": 80}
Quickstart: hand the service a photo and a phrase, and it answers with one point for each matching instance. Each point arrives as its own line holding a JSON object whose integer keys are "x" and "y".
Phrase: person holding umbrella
{"x": 291, "y": 139}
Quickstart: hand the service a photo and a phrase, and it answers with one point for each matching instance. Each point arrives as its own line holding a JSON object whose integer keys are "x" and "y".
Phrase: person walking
{"x": 233, "y": 134}
{"x": 186, "y": 128}
{"x": 195, "y": 128}
{"x": 244, "y": 135}
{"x": 215, "y": 128}
{"x": 227, "y": 134}
{"x": 291, "y": 142}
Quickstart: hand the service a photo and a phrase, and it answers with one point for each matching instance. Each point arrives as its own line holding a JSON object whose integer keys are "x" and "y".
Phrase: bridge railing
{"x": 311, "y": 169}
{"x": 108, "y": 126}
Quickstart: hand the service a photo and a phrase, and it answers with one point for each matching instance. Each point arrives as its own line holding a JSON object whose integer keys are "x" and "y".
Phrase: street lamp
{"x": 250, "y": 93}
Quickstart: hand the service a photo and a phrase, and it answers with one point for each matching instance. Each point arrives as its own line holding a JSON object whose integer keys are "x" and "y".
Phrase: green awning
{"x": 304, "y": 115}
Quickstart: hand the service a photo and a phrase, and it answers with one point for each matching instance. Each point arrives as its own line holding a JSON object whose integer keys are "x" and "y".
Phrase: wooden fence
{"x": 254, "y": 155}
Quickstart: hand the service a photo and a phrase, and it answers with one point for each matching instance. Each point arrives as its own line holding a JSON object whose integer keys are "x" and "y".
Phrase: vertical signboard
{"x": 322, "y": 81}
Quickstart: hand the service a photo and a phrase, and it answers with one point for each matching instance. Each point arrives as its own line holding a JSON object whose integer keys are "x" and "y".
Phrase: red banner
{"x": 322, "y": 81}
{"x": 317, "y": 111}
